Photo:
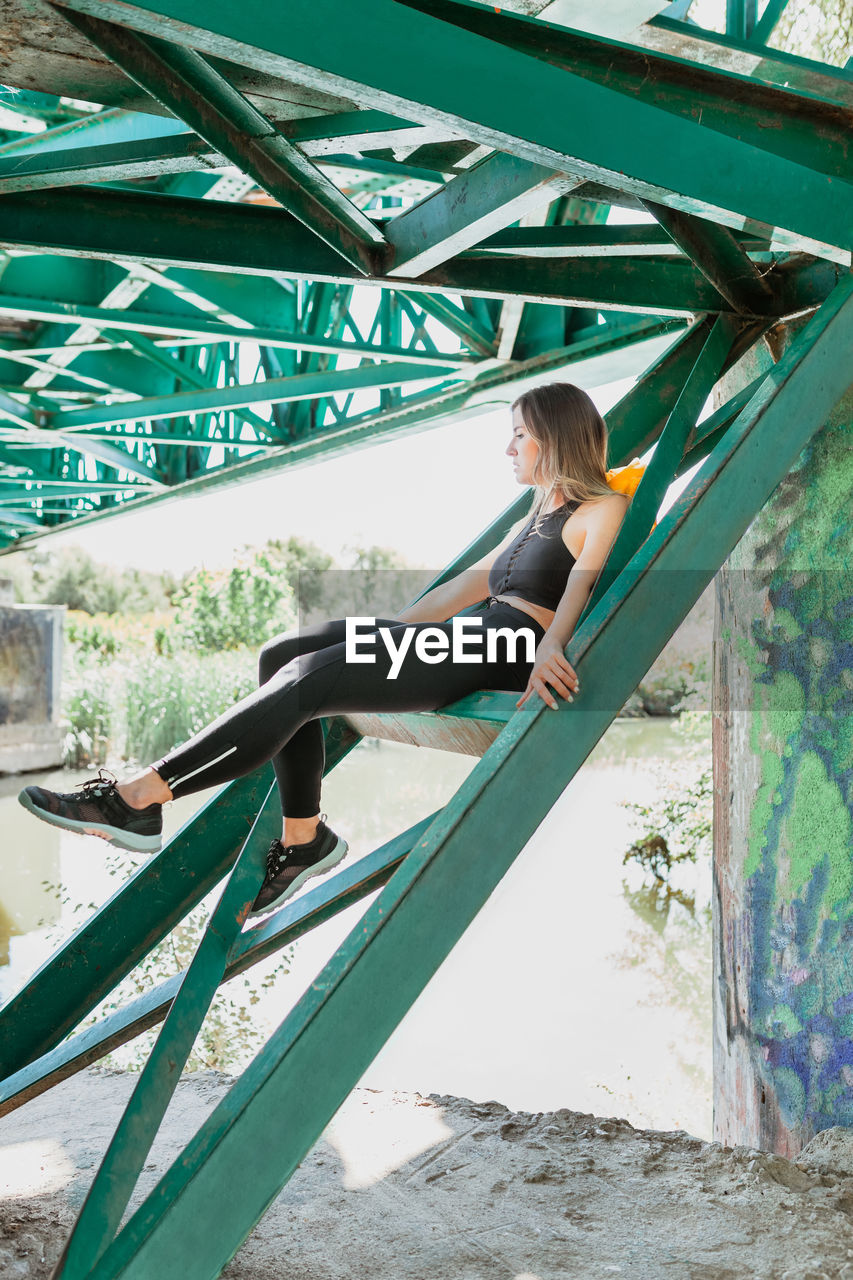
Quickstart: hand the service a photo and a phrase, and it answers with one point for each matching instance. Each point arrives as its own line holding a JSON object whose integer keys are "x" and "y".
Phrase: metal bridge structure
{"x": 237, "y": 238}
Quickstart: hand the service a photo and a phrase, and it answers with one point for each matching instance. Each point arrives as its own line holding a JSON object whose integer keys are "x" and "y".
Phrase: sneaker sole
{"x": 331, "y": 860}
{"x": 115, "y": 835}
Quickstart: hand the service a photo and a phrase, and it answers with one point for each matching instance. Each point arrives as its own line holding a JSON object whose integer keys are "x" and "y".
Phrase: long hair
{"x": 572, "y": 439}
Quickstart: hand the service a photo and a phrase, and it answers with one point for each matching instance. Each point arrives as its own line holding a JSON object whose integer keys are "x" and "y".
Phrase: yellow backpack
{"x": 626, "y": 479}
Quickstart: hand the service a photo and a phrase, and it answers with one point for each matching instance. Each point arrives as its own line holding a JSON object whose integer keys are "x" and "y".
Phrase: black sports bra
{"x": 536, "y": 566}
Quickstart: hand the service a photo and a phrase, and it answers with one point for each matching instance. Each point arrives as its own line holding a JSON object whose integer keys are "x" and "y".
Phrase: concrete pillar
{"x": 783, "y": 804}
{"x": 30, "y": 678}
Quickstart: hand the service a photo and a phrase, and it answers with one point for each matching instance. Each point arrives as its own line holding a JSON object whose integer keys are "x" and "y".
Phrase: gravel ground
{"x": 406, "y": 1187}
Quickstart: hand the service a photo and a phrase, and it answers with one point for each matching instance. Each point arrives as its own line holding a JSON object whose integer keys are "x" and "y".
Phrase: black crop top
{"x": 536, "y": 566}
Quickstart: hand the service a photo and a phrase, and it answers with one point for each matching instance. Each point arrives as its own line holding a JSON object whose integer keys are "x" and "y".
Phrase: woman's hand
{"x": 550, "y": 665}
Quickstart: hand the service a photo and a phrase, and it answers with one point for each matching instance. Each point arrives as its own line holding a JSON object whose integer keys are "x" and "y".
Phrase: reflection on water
{"x": 576, "y": 986}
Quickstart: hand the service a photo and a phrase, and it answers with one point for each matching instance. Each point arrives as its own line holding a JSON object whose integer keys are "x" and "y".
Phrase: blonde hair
{"x": 572, "y": 439}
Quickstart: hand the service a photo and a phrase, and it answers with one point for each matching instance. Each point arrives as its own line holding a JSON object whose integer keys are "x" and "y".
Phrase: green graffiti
{"x": 818, "y": 826}
{"x": 792, "y": 639}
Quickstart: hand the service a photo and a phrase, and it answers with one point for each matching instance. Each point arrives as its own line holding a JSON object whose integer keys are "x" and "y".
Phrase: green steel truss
{"x": 280, "y": 236}
{"x": 167, "y": 331}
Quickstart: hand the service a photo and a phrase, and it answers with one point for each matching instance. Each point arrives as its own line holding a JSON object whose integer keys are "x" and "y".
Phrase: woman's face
{"x": 523, "y": 450}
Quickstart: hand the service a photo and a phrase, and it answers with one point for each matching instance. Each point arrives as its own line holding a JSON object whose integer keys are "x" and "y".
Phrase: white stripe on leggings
{"x": 208, "y": 765}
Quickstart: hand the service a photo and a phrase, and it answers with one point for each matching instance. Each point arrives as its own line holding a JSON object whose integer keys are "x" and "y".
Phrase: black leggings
{"x": 304, "y": 675}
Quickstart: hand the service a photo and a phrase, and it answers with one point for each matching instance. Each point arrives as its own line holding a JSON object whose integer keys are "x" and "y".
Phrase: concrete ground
{"x": 405, "y": 1187}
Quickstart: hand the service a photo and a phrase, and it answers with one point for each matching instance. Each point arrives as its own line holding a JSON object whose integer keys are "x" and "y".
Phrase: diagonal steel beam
{"x": 112, "y": 454}
{"x": 766, "y": 24}
{"x": 719, "y": 257}
{"x": 292, "y": 921}
{"x": 465, "y": 326}
{"x": 141, "y": 321}
{"x": 276, "y": 390}
{"x": 107, "y": 1197}
{"x": 497, "y": 191}
{"x": 12, "y": 410}
{"x": 188, "y": 86}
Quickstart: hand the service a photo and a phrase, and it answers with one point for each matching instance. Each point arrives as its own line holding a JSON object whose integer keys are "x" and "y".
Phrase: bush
{"x": 168, "y": 699}
{"x": 87, "y": 719}
{"x": 244, "y": 605}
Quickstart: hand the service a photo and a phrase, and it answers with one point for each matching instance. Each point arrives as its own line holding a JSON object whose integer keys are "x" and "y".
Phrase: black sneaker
{"x": 289, "y": 867}
{"x": 96, "y": 808}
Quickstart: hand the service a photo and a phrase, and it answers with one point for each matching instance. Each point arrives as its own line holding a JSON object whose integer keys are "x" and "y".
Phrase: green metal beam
{"x": 766, "y": 24}
{"x": 283, "y": 927}
{"x": 106, "y": 128}
{"x": 117, "y": 161}
{"x": 516, "y": 102}
{"x": 708, "y": 50}
{"x": 598, "y": 241}
{"x": 275, "y": 390}
{"x": 809, "y": 130}
{"x": 669, "y": 449}
{"x": 105, "y": 948}
{"x": 719, "y": 257}
{"x": 40, "y": 486}
{"x": 466, "y": 327}
{"x": 112, "y": 454}
{"x": 740, "y": 18}
{"x": 498, "y": 190}
{"x": 171, "y": 231}
{"x": 12, "y": 410}
{"x": 117, "y": 145}
{"x": 186, "y": 373}
{"x": 143, "y": 321}
{"x": 108, "y": 1196}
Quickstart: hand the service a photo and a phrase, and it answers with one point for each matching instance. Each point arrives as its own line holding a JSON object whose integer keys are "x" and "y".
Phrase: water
{"x": 575, "y": 986}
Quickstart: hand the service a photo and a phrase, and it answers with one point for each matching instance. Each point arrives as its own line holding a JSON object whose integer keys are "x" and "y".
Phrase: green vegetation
{"x": 139, "y": 679}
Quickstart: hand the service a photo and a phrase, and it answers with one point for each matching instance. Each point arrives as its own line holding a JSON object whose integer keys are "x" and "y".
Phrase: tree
{"x": 820, "y": 29}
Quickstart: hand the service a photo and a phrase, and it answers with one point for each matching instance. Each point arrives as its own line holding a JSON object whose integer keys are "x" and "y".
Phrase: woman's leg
{"x": 399, "y": 669}
{"x": 324, "y": 682}
{"x": 300, "y": 763}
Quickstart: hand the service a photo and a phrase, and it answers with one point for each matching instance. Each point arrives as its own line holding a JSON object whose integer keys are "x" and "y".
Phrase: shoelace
{"x": 97, "y": 786}
{"x": 277, "y": 856}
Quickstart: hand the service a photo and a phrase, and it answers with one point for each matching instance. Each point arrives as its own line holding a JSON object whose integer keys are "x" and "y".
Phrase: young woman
{"x": 535, "y": 588}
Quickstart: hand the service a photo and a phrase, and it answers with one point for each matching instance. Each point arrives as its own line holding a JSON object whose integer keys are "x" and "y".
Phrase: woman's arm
{"x": 551, "y": 663}
{"x": 450, "y": 597}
